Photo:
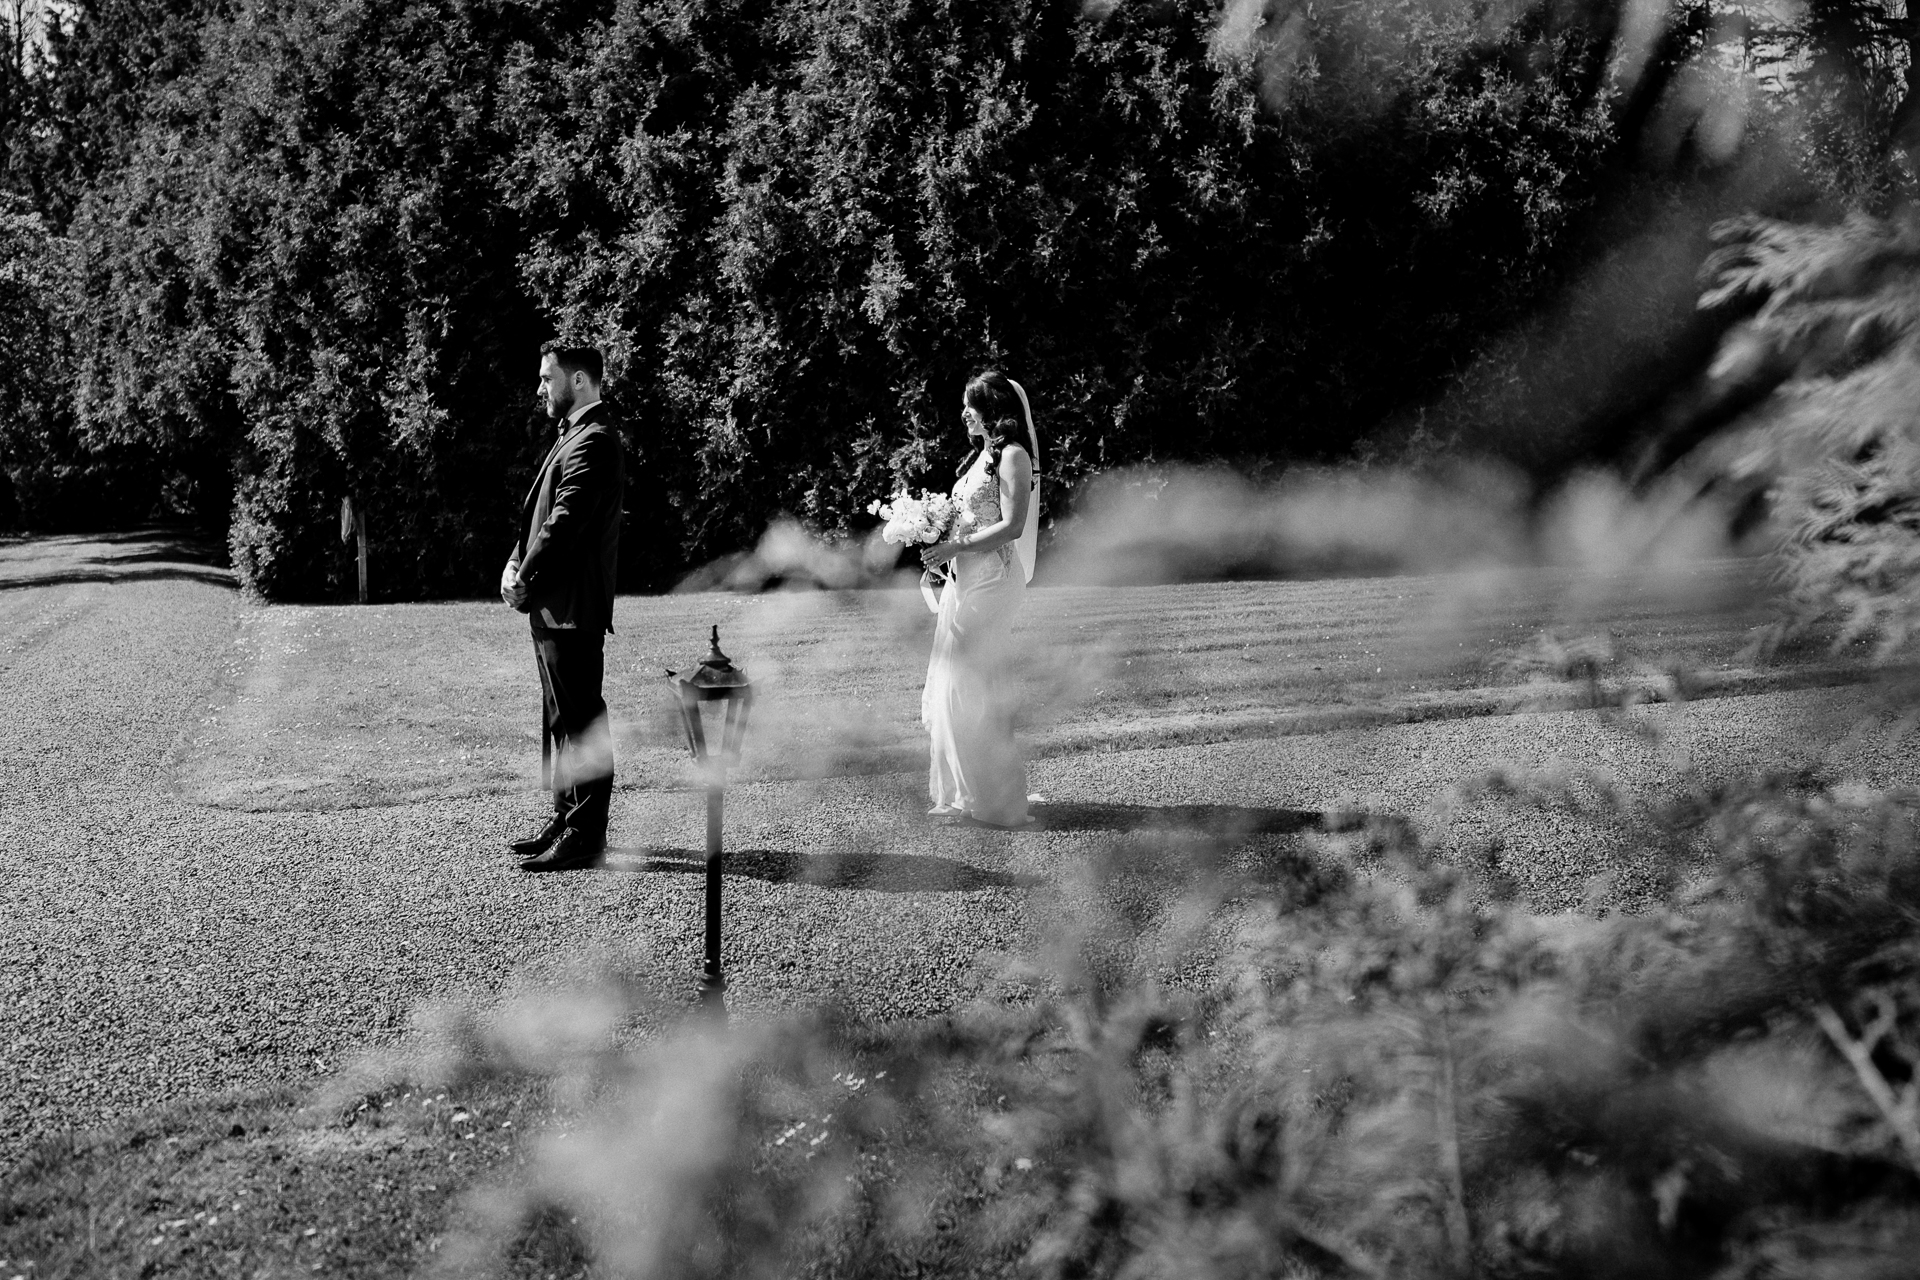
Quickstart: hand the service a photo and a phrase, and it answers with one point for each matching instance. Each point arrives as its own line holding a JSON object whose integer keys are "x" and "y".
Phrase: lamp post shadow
{"x": 1222, "y": 829}
{"x": 867, "y": 872}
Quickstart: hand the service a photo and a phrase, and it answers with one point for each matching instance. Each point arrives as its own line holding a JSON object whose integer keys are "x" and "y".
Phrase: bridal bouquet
{"x": 915, "y": 521}
{"x": 920, "y": 521}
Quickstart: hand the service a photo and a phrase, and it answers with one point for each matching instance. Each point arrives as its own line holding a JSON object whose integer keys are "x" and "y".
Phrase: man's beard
{"x": 559, "y": 408}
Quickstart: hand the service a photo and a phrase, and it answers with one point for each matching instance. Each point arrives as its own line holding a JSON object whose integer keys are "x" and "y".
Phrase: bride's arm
{"x": 1016, "y": 492}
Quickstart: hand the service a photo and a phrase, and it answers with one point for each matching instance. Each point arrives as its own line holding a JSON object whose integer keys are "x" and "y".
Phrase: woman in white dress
{"x": 976, "y": 770}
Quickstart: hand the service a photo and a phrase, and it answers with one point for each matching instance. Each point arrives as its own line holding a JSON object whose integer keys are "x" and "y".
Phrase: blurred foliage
{"x": 1826, "y": 367}
{"x": 1362, "y": 1061}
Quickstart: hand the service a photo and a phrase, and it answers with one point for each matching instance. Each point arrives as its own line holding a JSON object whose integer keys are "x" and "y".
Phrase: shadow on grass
{"x": 171, "y": 572}
{"x": 1228, "y": 820}
{"x": 874, "y": 872}
{"x": 139, "y": 556}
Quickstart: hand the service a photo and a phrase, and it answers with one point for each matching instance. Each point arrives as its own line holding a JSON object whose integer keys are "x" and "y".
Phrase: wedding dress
{"x": 968, "y": 703}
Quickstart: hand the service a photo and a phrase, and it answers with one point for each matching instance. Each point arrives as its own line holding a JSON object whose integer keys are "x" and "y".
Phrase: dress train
{"x": 975, "y": 765}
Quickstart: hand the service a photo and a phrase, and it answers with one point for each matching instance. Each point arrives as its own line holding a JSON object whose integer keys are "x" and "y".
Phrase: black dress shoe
{"x": 541, "y": 840}
{"x": 575, "y": 850}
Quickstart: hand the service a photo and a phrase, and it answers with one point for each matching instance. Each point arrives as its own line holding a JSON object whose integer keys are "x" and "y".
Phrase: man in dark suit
{"x": 561, "y": 576}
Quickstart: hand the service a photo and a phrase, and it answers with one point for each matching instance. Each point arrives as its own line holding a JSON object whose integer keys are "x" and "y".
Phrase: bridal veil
{"x": 1028, "y": 544}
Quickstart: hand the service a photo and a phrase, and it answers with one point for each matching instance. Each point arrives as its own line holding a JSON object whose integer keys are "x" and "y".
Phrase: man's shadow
{"x": 874, "y": 872}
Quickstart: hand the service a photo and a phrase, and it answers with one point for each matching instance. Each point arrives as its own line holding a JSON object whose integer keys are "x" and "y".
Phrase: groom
{"x": 561, "y": 576}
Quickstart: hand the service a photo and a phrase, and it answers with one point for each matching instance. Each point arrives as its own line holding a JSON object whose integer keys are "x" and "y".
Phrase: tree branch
{"x": 1447, "y": 1123}
{"x": 1859, "y": 1055}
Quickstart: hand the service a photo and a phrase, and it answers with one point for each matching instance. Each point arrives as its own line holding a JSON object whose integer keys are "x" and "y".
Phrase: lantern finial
{"x": 716, "y": 659}
{"x": 715, "y": 673}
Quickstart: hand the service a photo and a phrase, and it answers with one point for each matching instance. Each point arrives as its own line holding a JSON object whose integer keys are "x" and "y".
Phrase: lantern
{"x": 716, "y": 686}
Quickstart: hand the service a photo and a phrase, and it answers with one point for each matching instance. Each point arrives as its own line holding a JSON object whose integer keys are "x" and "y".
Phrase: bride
{"x": 976, "y": 769}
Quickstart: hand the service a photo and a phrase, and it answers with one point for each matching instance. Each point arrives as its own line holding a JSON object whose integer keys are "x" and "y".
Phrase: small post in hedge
{"x": 353, "y": 524}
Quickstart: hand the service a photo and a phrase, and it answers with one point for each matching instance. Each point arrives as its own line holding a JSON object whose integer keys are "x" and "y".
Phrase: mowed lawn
{"x": 347, "y": 706}
{"x": 263, "y": 839}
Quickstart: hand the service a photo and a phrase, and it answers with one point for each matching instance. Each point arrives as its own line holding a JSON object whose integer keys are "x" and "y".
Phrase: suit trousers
{"x": 572, "y": 667}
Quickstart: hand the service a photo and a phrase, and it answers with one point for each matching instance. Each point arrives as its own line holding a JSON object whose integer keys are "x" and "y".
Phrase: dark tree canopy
{"x": 293, "y": 251}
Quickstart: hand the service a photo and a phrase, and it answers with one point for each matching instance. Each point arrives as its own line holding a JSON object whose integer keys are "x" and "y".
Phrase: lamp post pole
{"x": 713, "y": 983}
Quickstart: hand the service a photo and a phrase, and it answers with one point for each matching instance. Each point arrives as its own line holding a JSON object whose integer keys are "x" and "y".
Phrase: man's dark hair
{"x": 574, "y": 360}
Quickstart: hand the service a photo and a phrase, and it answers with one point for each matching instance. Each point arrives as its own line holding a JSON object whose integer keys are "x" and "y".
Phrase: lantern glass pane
{"x": 692, "y": 719}
{"x": 736, "y": 727}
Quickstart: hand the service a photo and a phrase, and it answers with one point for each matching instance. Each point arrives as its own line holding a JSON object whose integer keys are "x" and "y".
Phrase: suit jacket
{"x": 569, "y": 547}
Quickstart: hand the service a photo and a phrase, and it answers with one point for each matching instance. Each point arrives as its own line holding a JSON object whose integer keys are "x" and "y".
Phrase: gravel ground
{"x": 161, "y": 948}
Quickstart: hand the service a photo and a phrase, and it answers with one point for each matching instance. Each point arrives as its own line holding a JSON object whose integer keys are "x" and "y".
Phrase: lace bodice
{"x": 977, "y": 494}
{"x": 978, "y": 497}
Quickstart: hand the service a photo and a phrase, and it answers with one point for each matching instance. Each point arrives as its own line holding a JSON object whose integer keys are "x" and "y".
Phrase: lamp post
{"x": 716, "y": 680}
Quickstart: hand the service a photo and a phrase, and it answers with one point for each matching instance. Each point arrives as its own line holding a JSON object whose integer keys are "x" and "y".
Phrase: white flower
{"x": 911, "y": 520}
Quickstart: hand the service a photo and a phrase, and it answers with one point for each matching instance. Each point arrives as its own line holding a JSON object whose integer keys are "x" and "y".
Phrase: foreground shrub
{"x": 1363, "y": 1063}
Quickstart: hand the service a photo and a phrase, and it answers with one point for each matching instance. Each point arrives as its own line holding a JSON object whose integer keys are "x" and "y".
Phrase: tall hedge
{"x": 305, "y": 262}
{"x": 313, "y": 253}
{"x": 800, "y": 225}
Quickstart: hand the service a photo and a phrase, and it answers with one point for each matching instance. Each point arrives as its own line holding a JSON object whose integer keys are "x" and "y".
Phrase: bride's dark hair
{"x": 991, "y": 395}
